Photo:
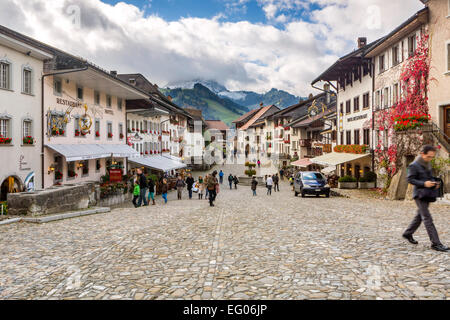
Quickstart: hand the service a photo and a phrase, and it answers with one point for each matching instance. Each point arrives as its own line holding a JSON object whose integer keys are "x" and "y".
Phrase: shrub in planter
{"x": 370, "y": 177}
{"x": 250, "y": 173}
{"x": 347, "y": 179}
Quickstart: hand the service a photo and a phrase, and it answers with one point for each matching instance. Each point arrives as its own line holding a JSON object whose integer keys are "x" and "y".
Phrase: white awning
{"x": 158, "y": 163}
{"x": 120, "y": 150}
{"x": 81, "y": 152}
{"x": 328, "y": 170}
{"x": 335, "y": 158}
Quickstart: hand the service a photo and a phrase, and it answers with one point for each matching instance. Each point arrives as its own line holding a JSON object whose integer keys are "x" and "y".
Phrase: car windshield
{"x": 313, "y": 176}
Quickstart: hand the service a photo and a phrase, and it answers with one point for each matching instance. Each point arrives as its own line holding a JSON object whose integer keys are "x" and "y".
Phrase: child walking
{"x": 201, "y": 188}
{"x": 136, "y": 193}
{"x": 164, "y": 190}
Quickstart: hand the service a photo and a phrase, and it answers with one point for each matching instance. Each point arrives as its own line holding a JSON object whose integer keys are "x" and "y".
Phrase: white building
{"x": 21, "y": 69}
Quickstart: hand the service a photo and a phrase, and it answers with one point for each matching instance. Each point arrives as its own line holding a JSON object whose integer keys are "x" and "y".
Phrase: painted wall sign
{"x": 364, "y": 116}
{"x": 22, "y": 164}
{"x": 73, "y": 104}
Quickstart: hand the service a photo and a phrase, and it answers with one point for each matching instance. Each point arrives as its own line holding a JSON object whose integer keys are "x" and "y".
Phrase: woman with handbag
{"x": 426, "y": 190}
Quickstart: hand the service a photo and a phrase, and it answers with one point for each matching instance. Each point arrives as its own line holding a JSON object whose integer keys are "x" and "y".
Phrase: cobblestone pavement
{"x": 278, "y": 247}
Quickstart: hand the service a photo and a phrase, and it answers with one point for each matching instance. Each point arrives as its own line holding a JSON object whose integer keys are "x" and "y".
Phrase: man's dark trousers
{"x": 143, "y": 197}
{"x": 425, "y": 216}
{"x": 212, "y": 196}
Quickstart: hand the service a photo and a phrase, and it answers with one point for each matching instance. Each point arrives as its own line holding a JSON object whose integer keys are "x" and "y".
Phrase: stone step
{"x": 10, "y": 221}
{"x": 69, "y": 215}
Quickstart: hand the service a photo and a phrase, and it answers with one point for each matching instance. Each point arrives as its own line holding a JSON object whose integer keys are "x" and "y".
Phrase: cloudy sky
{"x": 244, "y": 44}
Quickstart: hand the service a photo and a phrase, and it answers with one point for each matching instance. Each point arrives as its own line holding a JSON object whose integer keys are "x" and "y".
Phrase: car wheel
{"x": 317, "y": 195}
{"x": 303, "y": 195}
{"x": 327, "y": 195}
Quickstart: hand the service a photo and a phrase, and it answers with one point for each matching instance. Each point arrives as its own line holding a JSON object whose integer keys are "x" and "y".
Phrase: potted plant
{"x": 368, "y": 181}
{"x": 347, "y": 182}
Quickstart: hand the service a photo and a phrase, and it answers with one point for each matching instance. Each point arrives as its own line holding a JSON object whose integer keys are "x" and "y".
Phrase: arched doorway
{"x": 11, "y": 184}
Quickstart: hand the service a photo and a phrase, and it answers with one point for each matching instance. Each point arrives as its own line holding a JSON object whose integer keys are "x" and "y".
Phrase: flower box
{"x": 354, "y": 148}
{"x": 110, "y": 135}
{"x": 5, "y": 140}
{"x": 121, "y": 136}
{"x": 28, "y": 140}
{"x": 97, "y": 134}
{"x": 410, "y": 121}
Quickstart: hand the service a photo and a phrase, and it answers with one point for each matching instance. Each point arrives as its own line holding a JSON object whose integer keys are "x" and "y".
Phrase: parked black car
{"x": 311, "y": 183}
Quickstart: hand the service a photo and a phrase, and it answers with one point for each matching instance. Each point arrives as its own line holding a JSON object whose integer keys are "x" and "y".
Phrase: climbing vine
{"x": 401, "y": 124}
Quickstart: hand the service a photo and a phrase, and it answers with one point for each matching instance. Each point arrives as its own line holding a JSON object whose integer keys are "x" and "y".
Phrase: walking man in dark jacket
{"x": 254, "y": 186}
{"x": 276, "y": 183}
{"x": 425, "y": 191}
{"x": 190, "y": 183}
{"x": 143, "y": 185}
{"x": 230, "y": 181}
{"x": 212, "y": 184}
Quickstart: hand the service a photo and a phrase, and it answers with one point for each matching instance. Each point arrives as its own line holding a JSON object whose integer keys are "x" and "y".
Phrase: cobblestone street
{"x": 278, "y": 247}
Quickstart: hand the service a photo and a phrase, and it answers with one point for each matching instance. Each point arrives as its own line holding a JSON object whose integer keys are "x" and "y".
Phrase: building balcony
{"x": 305, "y": 143}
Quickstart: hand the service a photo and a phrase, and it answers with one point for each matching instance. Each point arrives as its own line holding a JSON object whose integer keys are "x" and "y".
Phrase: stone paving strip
{"x": 280, "y": 247}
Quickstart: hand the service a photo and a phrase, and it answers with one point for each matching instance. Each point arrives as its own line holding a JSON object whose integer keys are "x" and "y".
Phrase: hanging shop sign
{"x": 115, "y": 175}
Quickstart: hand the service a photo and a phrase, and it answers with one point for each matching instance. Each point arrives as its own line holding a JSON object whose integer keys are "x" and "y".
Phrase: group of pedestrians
{"x": 141, "y": 186}
{"x": 272, "y": 183}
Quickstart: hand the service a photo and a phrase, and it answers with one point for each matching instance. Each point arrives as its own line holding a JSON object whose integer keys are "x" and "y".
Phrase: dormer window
{"x": 133, "y": 81}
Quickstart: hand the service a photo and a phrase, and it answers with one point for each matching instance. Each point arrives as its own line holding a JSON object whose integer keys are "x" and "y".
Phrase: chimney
{"x": 326, "y": 88}
{"x": 362, "y": 42}
{"x": 261, "y": 104}
{"x": 114, "y": 73}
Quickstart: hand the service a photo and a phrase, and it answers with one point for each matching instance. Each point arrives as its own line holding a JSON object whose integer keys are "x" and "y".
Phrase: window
{"x": 357, "y": 141}
{"x": 396, "y": 55}
{"x": 119, "y": 103}
{"x": 411, "y": 45}
{"x": 132, "y": 81}
{"x": 448, "y": 53}
{"x": 120, "y": 131}
{"x": 97, "y": 129}
{"x": 80, "y": 93}
{"x": 77, "y": 126}
{"x": 71, "y": 174}
{"x": 85, "y": 167}
{"x": 348, "y": 107}
{"x": 342, "y": 108}
{"x": 385, "y": 140}
{"x": 381, "y": 64}
{"x": 5, "y": 75}
{"x": 97, "y": 98}
{"x": 342, "y": 138}
{"x": 386, "y": 98}
{"x": 349, "y": 137}
{"x": 366, "y": 101}
{"x": 26, "y": 81}
{"x": 4, "y": 128}
{"x": 108, "y": 101}
{"x": 366, "y": 138}
{"x": 27, "y": 129}
{"x": 146, "y": 126}
{"x": 98, "y": 165}
{"x": 110, "y": 130}
{"x": 57, "y": 87}
{"x": 395, "y": 93}
{"x": 378, "y": 99}
{"x": 356, "y": 104}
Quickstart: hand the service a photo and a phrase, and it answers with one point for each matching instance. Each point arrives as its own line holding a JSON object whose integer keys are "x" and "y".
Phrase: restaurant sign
{"x": 364, "y": 116}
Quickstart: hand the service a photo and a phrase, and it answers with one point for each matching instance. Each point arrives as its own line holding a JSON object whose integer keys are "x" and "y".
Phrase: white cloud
{"x": 241, "y": 55}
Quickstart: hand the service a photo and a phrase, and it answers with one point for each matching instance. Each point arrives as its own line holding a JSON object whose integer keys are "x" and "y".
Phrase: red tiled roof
{"x": 243, "y": 117}
{"x": 217, "y": 125}
{"x": 258, "y": 115}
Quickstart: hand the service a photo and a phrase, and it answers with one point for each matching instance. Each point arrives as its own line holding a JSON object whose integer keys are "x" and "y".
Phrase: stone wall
{"x": 57, "y": 199}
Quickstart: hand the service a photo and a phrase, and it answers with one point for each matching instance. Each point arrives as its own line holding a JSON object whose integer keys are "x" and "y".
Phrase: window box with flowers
{"x": 28, "y": 140}
{"x": 129, "y": 130}
{"x": 58, "y": 175}
{"x": 411, "y": 121}
{"x": 58, "y": 132}
{"x": 97, "y": 134}
{"x": 110, "y": 135}
{"x": 5, "y": 141}
{"x": 72, "y": 174}
{"x": 121, "y": 136}
{"x": 353, "y": 148}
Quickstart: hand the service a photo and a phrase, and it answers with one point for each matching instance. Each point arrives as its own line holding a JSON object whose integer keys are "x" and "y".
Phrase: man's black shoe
{"x": 410, "y": 239}
{"x": 440, "y": 247}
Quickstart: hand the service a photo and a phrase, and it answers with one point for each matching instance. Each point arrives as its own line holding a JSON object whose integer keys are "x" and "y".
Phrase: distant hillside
{"x": 212, "y": 105}
{"x": 252, "y": 100}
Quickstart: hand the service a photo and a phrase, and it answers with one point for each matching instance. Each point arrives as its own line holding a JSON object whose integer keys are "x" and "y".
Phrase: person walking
{"x": 164, "y": 189}
{"x": 221, "y": 175}
{"x": 426, "y": 190}
{"x": 190, "y": 184}
{"x": 151, "y": 191}
{"x": 282, "y": 174}
{"x": 276, "y": 183}
{"x": 230, "y": 181}
{"x": 201, "y": 187}
{"x": 269, "y": 183}
{"x": 136, "y": 192}
{"x": 254, "y": 185}
{"x": 143, "y": 186}
{"x": 206, "y": 187}
{"x": 180, "y": 187}
{"x": 235, "y": 181}
{"x": 212, "y": 184}
{"x": 259, "y": 164}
